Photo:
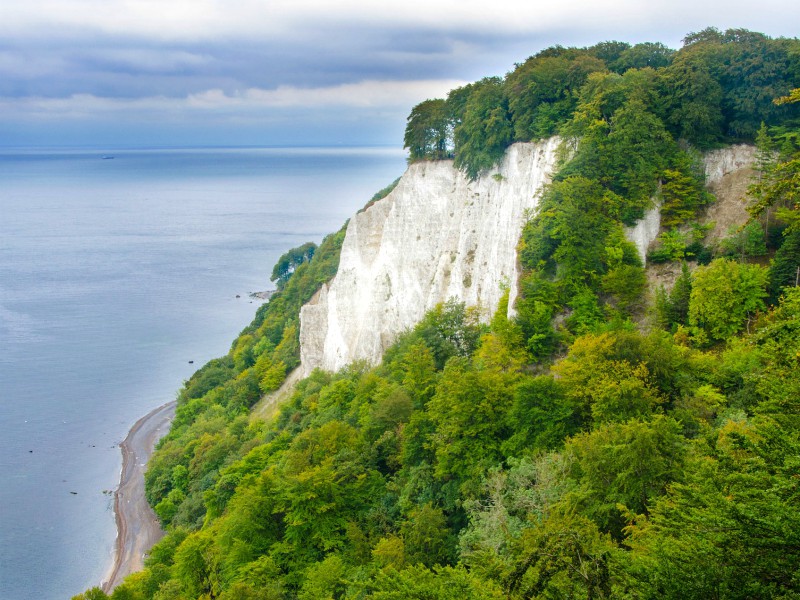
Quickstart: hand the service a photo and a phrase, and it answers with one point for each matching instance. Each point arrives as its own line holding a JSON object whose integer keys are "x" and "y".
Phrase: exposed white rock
{"x": 436, "y": 236}
{"x": 728, "y": 172}
{"x": 645, "y": 231}
{"x": 722, "y": 162}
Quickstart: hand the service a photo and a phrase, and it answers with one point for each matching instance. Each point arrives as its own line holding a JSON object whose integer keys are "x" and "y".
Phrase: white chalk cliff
{"x": 436, "y": 236}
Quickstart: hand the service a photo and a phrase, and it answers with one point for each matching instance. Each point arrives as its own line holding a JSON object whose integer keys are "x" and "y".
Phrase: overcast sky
{"x": 277, "y": 72}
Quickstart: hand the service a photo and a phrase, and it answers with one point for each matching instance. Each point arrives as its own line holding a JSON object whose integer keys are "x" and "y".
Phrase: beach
{"x": 138, "y": 527}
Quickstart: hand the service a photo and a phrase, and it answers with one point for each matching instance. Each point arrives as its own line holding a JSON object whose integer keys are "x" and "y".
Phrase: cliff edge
{"x": 436, "y": 236}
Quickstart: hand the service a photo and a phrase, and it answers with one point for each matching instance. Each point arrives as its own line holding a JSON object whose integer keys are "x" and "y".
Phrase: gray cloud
{"x": 247, "y": 66}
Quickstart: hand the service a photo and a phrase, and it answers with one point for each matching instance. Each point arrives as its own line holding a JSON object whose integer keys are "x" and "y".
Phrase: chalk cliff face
{"x": 436, "y": 236}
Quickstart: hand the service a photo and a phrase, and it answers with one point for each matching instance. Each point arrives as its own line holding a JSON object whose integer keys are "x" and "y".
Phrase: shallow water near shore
{"x": 114, "y": 274}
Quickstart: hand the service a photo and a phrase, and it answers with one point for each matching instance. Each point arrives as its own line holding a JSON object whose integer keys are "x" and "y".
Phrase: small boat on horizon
{"x": 107, "y": 157}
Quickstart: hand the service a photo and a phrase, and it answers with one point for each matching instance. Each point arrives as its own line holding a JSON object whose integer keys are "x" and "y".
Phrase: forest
{"x": 610, "y": 441}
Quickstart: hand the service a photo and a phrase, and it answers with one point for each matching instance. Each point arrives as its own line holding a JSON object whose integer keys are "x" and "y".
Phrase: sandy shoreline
{"x": 137, "y": 525}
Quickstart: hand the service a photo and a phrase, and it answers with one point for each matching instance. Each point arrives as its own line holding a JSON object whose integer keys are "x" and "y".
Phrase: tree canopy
{"x": 718, "y": 88}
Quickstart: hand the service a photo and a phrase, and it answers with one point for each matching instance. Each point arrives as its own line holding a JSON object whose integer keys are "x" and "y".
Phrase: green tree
{"x": 543, "y": 92}
{"x": 682, "y": 191}
{"x": 724, "y": 295}
{"x": 420, "y": 583}
{"x": 625, "y": 467}
{"x": 607, "y": 381}
{"x": 626, "y": 283}
{"x": 784, "y": 271}
{"x": 468, "y": 411}
{"x": 245, "y": 591}
{"x": 426, "y": 537}
{"x": 609, "y": 51}
{"x": 535, "y": 308}
{"x": 485, "y": 131}
{"x": 193, "y": 567}
{"x": 450, "y": 329}
{"x": 646, "y": 54}
{"x": 288, "y": 263}
{"x": 587, "y": 314}
{"x": 542, "y": 416}
{"x": 419, "y": 373}
{"x": 457, "y": 102}
{"x": 671, "y": 246}
{"x": 564, "y": 556}
{"x": 679, "y": 298}
{"x": 428, "y": 131}
{"x": 692, "y": 99}
{"x": 324, "y": 580}
{"x": 778, "y": 185}
{"x": 93, "y": 594}
{"x": 635, "y": 131}
{"x": 731, "y": 529}
{"x": 615, "y": 120}
{"x": 511, "y": 501}
{"x": 755, "y": 70}
{"x": 568, "y": 234}
{"x": 745, "y": 242}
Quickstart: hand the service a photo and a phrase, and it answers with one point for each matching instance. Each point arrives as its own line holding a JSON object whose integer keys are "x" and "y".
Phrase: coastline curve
{"x": 138, "y": 528}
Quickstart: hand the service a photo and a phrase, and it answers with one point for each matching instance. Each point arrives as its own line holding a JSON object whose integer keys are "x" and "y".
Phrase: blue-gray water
{"x": 113, "y": 275}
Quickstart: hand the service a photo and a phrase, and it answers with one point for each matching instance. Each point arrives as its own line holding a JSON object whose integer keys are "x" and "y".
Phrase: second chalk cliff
{"x": 436, "y": 236}
{"x": 728, "y": 173}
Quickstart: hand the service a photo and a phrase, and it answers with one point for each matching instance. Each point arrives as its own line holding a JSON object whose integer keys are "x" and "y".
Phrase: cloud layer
{"x": 263, "y": 66}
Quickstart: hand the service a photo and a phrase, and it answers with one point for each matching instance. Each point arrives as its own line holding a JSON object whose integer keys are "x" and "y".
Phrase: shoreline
{"x": 138, "y": 527}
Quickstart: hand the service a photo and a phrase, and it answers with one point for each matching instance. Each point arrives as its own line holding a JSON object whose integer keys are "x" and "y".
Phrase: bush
{"x": 724, "y": 295}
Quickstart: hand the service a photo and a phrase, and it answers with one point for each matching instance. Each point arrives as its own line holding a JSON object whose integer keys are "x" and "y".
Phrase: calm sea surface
{"x": 113, "y": 275}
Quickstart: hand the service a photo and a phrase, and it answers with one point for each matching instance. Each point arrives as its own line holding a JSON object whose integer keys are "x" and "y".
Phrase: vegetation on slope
{"x": 564, "y": 453}
{"x": 212, "y": 424}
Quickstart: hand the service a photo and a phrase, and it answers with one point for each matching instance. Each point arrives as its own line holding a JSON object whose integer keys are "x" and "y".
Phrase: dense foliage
{"x": 640, "y": 467}
{"x": 212, "y": 422}
{"x": 718, "y": 88}
{"x": 594, "y": 446}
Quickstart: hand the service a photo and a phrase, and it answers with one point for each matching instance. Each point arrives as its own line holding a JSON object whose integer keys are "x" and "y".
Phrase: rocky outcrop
{"x": 645, "y": 231}
{"x": 436, "y": 236}
{"x": 728, "y": 173}
{"x": 724, "y": 162}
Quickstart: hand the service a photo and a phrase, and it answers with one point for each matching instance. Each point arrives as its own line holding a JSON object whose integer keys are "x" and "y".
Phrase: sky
{"x": 142, "y": 73}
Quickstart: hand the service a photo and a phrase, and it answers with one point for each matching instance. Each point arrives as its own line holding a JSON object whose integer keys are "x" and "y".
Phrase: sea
{"x": 121, "y": 272}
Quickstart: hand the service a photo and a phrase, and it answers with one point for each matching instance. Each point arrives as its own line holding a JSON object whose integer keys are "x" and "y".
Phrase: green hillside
{"x": 608, "y": 442}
